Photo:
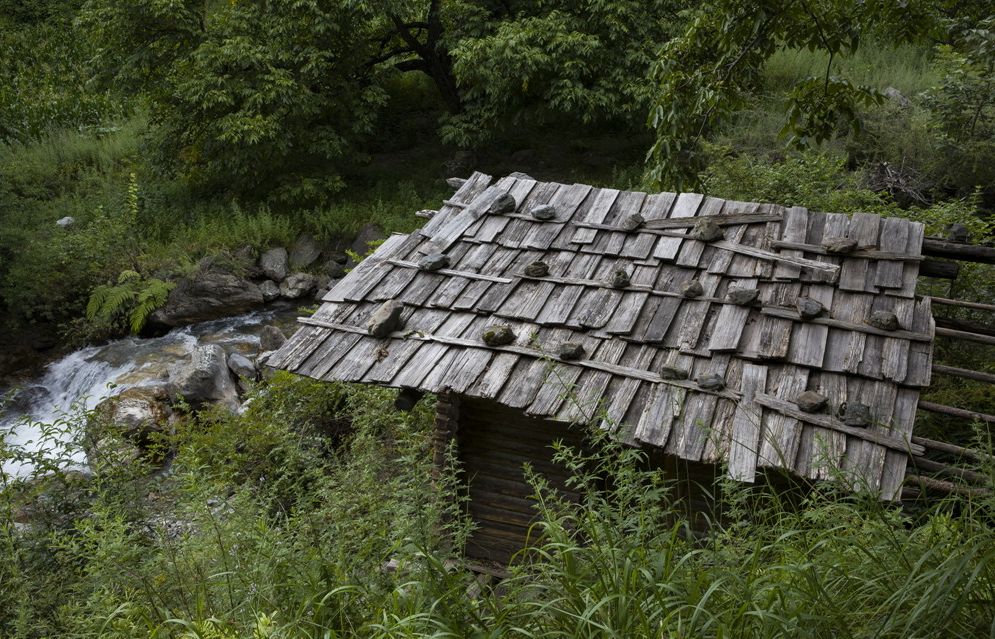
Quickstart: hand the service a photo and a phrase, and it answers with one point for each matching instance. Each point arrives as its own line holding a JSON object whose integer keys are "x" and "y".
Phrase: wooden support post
{"x": 957, "y": 251}
{"x": 964, "y": 372}
{"x": 956, "y": 412}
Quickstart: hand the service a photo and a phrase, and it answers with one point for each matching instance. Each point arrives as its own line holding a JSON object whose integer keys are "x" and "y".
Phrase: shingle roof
{"x": 636, "y": 336}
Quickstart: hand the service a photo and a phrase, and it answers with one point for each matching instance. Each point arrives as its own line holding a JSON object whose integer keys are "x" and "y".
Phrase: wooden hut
{"x": 724, "y": 336}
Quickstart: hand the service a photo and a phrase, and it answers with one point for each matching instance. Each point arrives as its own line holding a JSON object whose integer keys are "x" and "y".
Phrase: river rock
{"x": 707, "y": 230}
{"x": 334, "y": 268}
{"x": 271, "y": 338}
{"x": 711, "y": 381}
{"x": 241, "y": 366}
{"x": 855, "y": 414}
{"x": 206, "y": 296}
{"x": 205, "y": 378}
{"x": 809, "y": 308}
{"x": 297, "y": 285}
{"x": 633, "y": 222}
{"x": 123, "y": 429}
{"x": 543, "y": 212}
{"x": 570, "y": 351}
{"x": 673, "y": 373}
{"x": 455, "y": 183}
{"x": 367, "y": 235}
{"x": 841, "y": 246}
{"x": 811, "y": 402}
{"x": 692, "y": 289}
{"x": 65, "y": 222}
{"x": 505, "y": 203}
{"x": 620, "y": 279}
{"x": 385, "y": 320}
{"x": 304, "y": 253}
{"x": 274, "y": 264}
{"x": 518, "y": 175}
{"x": 537, "y": 269}
{"x": 884, "y": 320}
{"x": 270, "y": 290}
{"x": 433, "y": 262}
{"x": 498, "y": 335}
{"x": 743, "y": 296}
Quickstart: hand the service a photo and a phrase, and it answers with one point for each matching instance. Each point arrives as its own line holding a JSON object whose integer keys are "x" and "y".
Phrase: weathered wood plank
{"x": 894, "y": 238}
{"x": 795, "y": 226}
{"x": 603, "y": 201}
{"x": 662, "y": 408}
{"x": 747, "y": 424}
{"x": 686, "y": 206}
{"x": 782, "y": 435}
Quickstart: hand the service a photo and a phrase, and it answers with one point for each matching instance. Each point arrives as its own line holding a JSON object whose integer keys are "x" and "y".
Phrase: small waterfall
{"x": 84, "y": 378}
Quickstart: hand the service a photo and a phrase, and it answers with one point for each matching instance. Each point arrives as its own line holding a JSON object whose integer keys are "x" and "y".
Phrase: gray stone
{"x": 367, "y": 235}
{"x": 841, "y": 246}
{"x": 620, "y": 279}
{"x": 274, "y": 264}
{"x": 743, "y": 296}
{"x": 205, "y": 378}
{"x": 385, "y": 320}
{"x": 544, "y": 212}
{"x": 498, "y": 335}
{"x": 433, "y": 262}
{"x": 270, "y": 290}
{"x": 334, "y": 269}
{"x": 537, "y": 269}
{"x": 207, "y": 296}
{"x": 811, "y": 402}
{"x": 711, "y": 381}
{"x": 897, "y": 97}
{"x": 505, "y": 203}
{"x": 958, "y": 233}
{"x": 241, "y": 366}
{"x": 65, "y": 222}
{"x": 707, "y": 230}
{"x": 518, "y": 175}
{"x": 455, "y": 183}
{"x": 855, "y": 414}
{"x": 633, "y": 222}
{"x": 673, "y": 373}
{"x": 304, "y": 253}
{"x": 570, "y": 351}
{"x": 297, "y": 285}
{"x": 271, "y": 338}
{"x": 884, "y": 320}
{"x": 809, "y": 308}
{"x": 692, "y": 289}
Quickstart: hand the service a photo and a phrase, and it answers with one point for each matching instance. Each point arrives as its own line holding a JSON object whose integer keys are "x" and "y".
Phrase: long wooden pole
{"x": 956, "y": 412}
{"x": 942, "y": 486}
{"x": 975, "y": 305}
{"x": 957, "y": 251}
{"x": 971, "y": 337}
{"x": 921, "y": 463}
{"x": 964, "y": 372}
{"x": 953, "y": 449}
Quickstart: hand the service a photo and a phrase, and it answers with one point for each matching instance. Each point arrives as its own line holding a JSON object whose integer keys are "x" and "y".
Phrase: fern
{"x": 132, "y": 298}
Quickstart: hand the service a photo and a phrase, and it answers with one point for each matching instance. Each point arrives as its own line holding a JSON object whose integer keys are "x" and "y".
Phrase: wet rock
{"x": 958, "y": 233}
{"x": 433, "y": 262}
{"x": 505, "y": 203}
{"x": 707, "y": 230}
{"x": 811, "y": 402}
{"x": 841, "y": 246}
{"x": 126, "y": 428}
{"x": 206, "y": 296}
{"x": 455, "y": 183}
{"x": 711, "y": 381}
{"x": 633, "y": 222}
{"x": 673, "y": 373}
{"x": 498, "y": 335}
{"x": 274, "y": 264}
{"x": 241, "y": 366}
{"x": 537, "y": 269}
{"x": 692, "y": 289}
{"x": 65, "y": 222}
{"x": 385, "y": 320}
{"x": 809, "y": 308}
{"x": 271, "y": 338}
{"x": 743, "y": 296}
{"x": 205, "y": 378}
{"x": 544, "y": 212}
{"x": 304, "y": 253}
{"x": 297, "y": 285}
{"x": 620, "y": 279}
{"x": 270, "y": 290}
{"x": 884, "y": 320}
{"x": 855, "y": 414}
{"x": 570, "y": 351}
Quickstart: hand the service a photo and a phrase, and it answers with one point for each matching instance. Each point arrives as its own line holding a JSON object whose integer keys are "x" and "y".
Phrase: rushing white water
{"x": 79, "y": 381}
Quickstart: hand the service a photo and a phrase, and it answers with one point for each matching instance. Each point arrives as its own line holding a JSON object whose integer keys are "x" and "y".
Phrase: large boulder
{"x": 208, "y": 295}
{"x": 127, "y": 427}
{"x": 271, "y": 338}
{"x": 297, "y": 285}
{"x": 205, "y": 378}
{"x": 367, "y": 235}
{"x": 304, "y": 253}
{"x": 270, "y": 290}
{"x": 274, "y": 264}
{"x": 241, "y": 366}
